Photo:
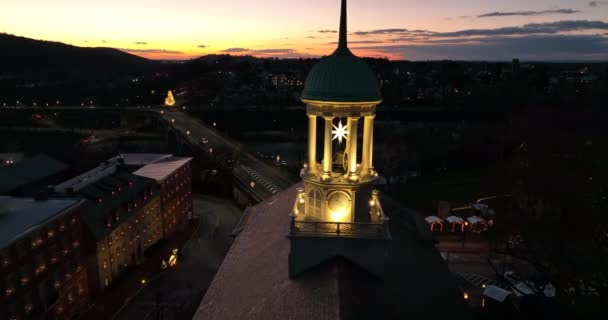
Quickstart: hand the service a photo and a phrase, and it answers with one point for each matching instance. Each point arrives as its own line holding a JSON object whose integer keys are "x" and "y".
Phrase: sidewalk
{"x": 130, "y": 282}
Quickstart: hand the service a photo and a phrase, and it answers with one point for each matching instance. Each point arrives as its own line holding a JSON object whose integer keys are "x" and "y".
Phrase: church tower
{"x": 338, "y": 213}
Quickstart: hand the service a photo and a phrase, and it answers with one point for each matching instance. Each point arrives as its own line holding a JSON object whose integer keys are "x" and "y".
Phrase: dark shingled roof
{"x": 95, "y": 212}
{"x": 253, "y": 281}
{"x": 28, "y": 171}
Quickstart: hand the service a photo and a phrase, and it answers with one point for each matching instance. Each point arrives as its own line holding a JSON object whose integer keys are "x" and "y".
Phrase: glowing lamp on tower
{"x": 339, "y": 207}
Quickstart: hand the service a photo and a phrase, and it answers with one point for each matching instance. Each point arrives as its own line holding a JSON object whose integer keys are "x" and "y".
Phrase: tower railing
{"x": 376, "y": 228}
{"x": 338, "y": 229}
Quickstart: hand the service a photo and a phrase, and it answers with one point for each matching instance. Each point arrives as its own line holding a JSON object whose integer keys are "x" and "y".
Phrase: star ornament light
{"x": 340, "y": 132}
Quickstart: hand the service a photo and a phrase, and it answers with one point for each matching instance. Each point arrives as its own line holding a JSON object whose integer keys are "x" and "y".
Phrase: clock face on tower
{"x": 339, "y": 206}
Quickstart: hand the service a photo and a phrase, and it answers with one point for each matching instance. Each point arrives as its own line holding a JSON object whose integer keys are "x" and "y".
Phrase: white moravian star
{"x": 340, "y": 132}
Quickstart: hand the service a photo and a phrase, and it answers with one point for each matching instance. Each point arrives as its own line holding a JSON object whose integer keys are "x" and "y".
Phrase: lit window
{"x": 315, "y": 203}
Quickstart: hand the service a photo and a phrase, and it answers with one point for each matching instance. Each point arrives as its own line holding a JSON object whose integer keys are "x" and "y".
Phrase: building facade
{"x": 174, "y": 178}
{"x": 42, "y": 259}
{"x": 122, "y": 221}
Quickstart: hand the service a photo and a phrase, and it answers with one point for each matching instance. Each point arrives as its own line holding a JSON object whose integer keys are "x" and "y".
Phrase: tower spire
{"x": 343, "y": 41}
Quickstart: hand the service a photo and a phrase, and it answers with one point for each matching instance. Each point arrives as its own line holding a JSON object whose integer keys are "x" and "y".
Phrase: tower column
{"x": 312, "y": 143}
{"x": 366, "y": 154}
{"x": 352, "y": 145}
{"x": 327, "y": 152}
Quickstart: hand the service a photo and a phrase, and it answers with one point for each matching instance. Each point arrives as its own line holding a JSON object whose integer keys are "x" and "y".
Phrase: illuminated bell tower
{"x": 338, "y": 201}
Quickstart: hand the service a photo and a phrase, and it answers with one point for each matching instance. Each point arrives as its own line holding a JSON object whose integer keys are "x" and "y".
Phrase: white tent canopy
{"x": 454, "y": 219}
{"x": 433, "y": 219}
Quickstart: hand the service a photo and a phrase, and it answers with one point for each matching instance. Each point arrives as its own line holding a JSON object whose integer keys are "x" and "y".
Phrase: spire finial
{"x": 343, "y": 43}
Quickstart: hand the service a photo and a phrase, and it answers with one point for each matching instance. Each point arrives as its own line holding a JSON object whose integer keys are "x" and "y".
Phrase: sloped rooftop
{"x": 139, "y": 159}
{"x": 253, "y": 281}
{"x": 20, "y": 215}
{"x": 162, "y": 169}
{"x": 116, "y": 192}
{"x": 28, "y": 171}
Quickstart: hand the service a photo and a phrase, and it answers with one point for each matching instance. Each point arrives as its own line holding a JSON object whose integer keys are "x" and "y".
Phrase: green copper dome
{"x": 342, "y": 77}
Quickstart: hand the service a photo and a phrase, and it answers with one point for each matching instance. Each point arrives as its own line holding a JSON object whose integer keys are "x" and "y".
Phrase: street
{"x": 223, "y": 149}
{"x": 176, "y": 293}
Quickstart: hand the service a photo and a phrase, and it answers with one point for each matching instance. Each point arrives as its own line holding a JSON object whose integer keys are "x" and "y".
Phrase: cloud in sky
{"x": 379, "y": 31}
{"x": 235, "y": 50}
{"x": 528, "y": 13}
{"x": 360, "y": 42}
{"x": 560, "y": 40}
{"x": 531, "y": 28}
{"x": 557, "y": 40}
{"x": 258, "y": 51}
{"x": 272, "y": 52}
{"x": 151, "y": 51}
{"x": 527, "y": 29}
{"x": 598, "y": 3}
{"x": 104, "y": 41}
{"x": 140, "y": 43}
{"x": 533, "y": 47}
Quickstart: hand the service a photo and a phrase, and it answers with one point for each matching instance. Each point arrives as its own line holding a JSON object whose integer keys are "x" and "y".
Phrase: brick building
{"x": 174, "y": 177}
{"x": 122, "y": 221}
{"x": 133, "y": 201}
{"x": 41, "y": 259}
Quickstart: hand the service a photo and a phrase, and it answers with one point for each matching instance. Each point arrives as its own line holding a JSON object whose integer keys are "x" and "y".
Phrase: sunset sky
{"x": 398, "y": 29}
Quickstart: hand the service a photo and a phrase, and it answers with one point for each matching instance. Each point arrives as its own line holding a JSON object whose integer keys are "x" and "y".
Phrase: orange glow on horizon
{"x": 186, "y": 29}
